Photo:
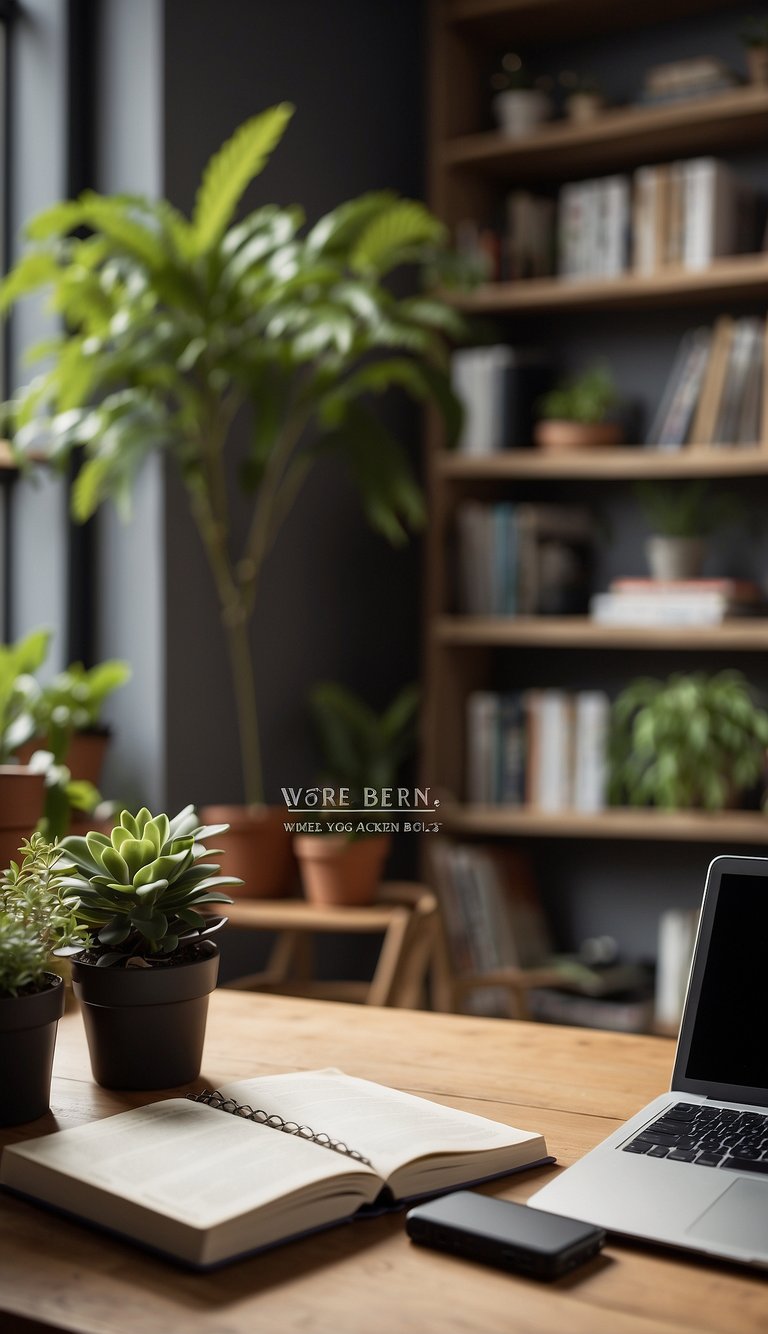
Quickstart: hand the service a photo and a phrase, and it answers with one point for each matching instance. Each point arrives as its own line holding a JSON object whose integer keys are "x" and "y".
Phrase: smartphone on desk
{"x": 498, "y": 1232}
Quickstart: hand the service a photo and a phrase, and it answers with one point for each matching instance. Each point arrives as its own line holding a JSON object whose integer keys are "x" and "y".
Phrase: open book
{"x": 203, "y": 1186}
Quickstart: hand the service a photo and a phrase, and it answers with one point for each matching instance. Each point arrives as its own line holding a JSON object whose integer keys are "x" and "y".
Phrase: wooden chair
{"x": 405, "y": 914}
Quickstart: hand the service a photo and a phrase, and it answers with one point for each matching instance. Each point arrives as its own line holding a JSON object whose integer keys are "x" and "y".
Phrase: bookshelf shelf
{"x": 633, "y": 461}
{"x": 750, "y": 635}
{"x": 720, "y": 827}
{"x": 626, "y": 137}
{"x": 738, "y": 278}
{"x": 500, "y": 20}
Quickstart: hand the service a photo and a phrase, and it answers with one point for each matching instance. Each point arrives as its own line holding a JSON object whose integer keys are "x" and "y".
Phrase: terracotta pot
{"x": 27, "y": 1038}
{"x": 85, "y": 758}
{"x": 336, "y": 869}
{"x": 561, "y": 437}
{"x": 146, "y": 1026}
{"x": 22, "y": 794}
{"x": 256, "y": 848}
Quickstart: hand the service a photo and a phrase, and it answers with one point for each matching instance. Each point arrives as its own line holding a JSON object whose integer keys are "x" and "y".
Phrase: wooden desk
{"x": 572, "y": 1084}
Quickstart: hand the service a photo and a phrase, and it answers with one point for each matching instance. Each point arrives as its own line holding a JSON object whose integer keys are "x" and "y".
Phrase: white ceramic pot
{"x": 520, "y": 110}
{"x": 675, "y": 557}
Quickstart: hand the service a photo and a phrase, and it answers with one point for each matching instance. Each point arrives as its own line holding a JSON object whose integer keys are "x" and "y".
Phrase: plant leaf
{"x": 231, "y": 170}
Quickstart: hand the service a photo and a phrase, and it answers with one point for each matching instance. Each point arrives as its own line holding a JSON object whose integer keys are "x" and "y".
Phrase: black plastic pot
{"x": 27, "y": 1039}
{"x": 146, "y": 1026}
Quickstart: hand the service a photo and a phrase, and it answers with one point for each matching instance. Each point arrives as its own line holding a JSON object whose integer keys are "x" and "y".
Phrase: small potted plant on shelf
{"x": 584, "y": 100}
{"x": 245, "y": 351}
{"x": 521, "y": 103}
{"x": 691, "y": 741}
{"x": 21, "y": 789}
{"x": 361, "y": 750}
{"x": 70, "y": 742}
{"x": 579, "y": 413}
{"x": 144, "y": 981}
{"x": 755, "y": 39}
{"x": 36, "y": 917}
{"x": 681, "y": 517}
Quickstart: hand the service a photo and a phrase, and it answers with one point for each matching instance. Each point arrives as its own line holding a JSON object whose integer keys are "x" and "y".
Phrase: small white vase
{"x": 520, "y": 110}
{"x": 675, "y": 557}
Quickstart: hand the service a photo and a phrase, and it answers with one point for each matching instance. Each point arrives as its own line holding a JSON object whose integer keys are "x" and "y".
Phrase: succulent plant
{"x": 141, "y": 888}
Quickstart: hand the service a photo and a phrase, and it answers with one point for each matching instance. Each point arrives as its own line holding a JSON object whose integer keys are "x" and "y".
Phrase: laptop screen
{"x": 727, "y": 1046}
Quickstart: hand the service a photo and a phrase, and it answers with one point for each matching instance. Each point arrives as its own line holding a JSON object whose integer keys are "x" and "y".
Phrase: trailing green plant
{"x": 589, "y": 398}
{"x": 140, "y": 889}
{"x": 362, "y": 748}
{"x": 70, "y": 703}
{"x": 19, "y": 691}
{"x": 36, "y": 917}
{"x": 180, "y": 329}
{"x": 684, "y": 509}
{"x": 689, "y": 741}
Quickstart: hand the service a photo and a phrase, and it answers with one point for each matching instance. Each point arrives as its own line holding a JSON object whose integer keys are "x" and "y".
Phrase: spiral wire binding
{"x": 213, "y": 1098}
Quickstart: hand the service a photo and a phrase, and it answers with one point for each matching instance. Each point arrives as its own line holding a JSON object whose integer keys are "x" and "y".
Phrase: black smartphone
{"x": 497, "y": 1232}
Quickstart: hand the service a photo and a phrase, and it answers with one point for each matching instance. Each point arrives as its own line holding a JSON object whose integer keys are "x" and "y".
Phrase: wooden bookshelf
{"x": 625, "y": 137}
{"x": 736, "y": 279}
{"x": 719, "y": 827}
{"x": 629, "y": 463}
{"x": 748, "y": 634}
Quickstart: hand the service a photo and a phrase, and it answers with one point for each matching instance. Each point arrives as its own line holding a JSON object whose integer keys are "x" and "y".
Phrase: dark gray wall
{"x": 337, "y": 602}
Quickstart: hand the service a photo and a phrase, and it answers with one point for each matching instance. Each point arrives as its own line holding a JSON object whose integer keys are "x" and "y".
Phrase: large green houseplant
{"x": 180, "y": 331}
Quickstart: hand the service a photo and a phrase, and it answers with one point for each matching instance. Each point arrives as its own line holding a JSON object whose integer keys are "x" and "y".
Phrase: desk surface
{"x": 574, "y": 1085}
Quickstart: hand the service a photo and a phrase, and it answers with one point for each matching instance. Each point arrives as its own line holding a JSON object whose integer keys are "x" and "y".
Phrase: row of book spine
{"x": 522, "y": 560}
{"x": 717, "y": 390}
{"x": 547, "y": 749}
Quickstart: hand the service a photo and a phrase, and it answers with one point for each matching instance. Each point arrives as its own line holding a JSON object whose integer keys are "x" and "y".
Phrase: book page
{"x": 387, "y": 1126}
{"x": 190, "y": 1162}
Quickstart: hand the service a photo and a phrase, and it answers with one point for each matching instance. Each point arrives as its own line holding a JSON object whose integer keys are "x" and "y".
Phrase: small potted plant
{"x": 70, "y": 741}
{"x": 579, "y": 413}
{"x": 692, "y": 741}
{"x": 755, "y": 39}
{"x": 584, "y": 100}
{"x": 36, "y": 917}
{"x": 520, "y": 103}
{"x": 361, "y": 749}
{"x": 21, "y": 789}
{"x": 681, "y": 517}
{"x": 144, "y": 982}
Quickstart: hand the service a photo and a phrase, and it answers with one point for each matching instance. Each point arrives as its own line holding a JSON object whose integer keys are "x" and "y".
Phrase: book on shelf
{"x": 546, "y": 749}
{"x": 523, "y": 559}
{"x": 630, "y": 1013}
{"x": 689, "y": 213}
{"x": 498, "y": 387}
{"x": 676, "y": 937}
{"x": 205, "y": 1181}
{"x": 679, "y": 80}
{"x": 593, "y": 228}
{"x": 716, "y": 392}
{"x": 697, "y": 602}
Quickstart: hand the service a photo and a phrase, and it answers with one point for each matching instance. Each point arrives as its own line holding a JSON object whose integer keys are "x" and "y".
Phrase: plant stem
{"x": 241, "y": 663}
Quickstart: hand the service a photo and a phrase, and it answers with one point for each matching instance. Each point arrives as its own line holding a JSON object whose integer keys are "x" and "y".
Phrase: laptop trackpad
{"x": 738, "y": 1218}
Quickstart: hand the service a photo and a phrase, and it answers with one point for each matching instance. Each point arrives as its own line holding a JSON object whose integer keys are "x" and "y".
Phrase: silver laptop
{"x": 691, "y": 1169}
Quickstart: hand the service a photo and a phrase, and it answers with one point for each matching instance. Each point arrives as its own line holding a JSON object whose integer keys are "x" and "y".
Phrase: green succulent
{"x": 142, "y": 887}
{"x": 589, "y": 398}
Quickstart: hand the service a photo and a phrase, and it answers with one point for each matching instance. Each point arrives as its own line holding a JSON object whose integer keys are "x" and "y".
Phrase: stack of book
{"x": 717, "y": 391}
{"x": 546, "y": 749}
{"x": 678, "y": 80}
{"x": 523, "y": 560}
{"x": 679, "y": 602}
{"x": 688, "y": 213}
{"x": 498, "y": 387}
{"x": 593, "y": 228}
{"x": 519, "y": 245}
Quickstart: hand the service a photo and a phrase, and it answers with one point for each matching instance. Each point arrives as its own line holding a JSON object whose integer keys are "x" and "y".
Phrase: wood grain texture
{"x": 574, "y": 1085}
{"x": 748, "y": 633}
{"x": 609, "y": 465}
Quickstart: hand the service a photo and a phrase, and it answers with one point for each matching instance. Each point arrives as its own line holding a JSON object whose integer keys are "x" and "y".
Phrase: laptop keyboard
{"x": 709, "y": 1136}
